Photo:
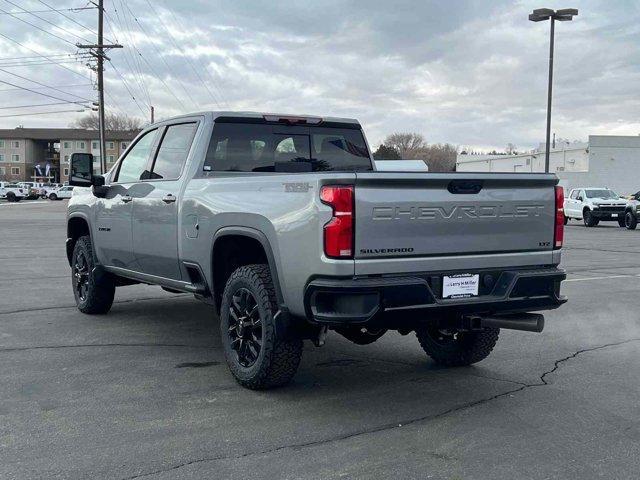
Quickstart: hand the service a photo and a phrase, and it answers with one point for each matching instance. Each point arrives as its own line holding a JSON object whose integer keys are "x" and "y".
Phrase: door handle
{"x": 126, "y": 198}
{"x": 169, "y": 198}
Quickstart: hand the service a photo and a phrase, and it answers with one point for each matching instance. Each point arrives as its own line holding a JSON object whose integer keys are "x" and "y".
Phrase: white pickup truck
{"x": 13, "y": 192}
{"x": 593, "y": 205}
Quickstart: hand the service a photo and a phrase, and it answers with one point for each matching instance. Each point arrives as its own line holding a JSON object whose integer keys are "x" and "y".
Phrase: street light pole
{"x": 563, "y": 15}
{"x": 549, "y": 95}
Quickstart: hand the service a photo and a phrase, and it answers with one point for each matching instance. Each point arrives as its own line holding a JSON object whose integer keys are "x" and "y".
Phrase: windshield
{"x": 601, "y": 193}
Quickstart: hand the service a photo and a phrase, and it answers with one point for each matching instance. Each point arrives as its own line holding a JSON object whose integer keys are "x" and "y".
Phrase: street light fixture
{"x": 562, "y": 15}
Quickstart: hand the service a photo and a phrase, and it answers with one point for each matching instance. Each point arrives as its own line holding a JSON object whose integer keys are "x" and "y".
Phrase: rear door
{"x": 407, "y": 214}
{"x": 155, "y": 202}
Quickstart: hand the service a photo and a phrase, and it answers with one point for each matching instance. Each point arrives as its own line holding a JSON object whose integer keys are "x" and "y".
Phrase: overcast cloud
{"x": 465, "y": 72}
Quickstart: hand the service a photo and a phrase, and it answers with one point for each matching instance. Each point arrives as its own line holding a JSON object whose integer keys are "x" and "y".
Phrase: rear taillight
{"x": 338, "y": 233}
{"x": 558, "y": 237}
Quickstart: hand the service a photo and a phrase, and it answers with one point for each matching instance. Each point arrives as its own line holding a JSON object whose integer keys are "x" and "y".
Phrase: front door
{"x": 114, "y": 245}
{"x": 156, "y": 204}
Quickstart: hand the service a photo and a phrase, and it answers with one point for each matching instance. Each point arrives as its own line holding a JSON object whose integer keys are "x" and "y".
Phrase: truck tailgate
{"x": 444, "y": 214}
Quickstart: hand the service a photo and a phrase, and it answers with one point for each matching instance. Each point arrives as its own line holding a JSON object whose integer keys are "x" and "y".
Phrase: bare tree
{"x": 440, "y": 157}
{"x": 511, "y": 149}
{"x": 408, "y": 145}
{"x": 112, "y": 121}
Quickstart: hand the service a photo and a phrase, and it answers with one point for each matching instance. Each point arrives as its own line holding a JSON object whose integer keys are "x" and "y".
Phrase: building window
{"x": 66, "y": 159}
{"x": 15, "y": 157}
{"x": 2, "y": 171}
{"x": 95, "y": 145}
{"x": 1, "y": 143}
{"x": 80, "y": 145}
{"x": 110, "y": 158}
{"x": 16, "y": 144}
{"x": 15, "y": 170}
{"x": 1, "y": 157}
{"x": 66, "y": 144}
{"x": 110, "y": 145}
{"x": 123, "y": 146}
{"x": 65, "y": 172}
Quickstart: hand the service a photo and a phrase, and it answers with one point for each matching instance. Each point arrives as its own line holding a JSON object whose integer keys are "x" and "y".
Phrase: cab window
{"x": 134, "y": 163}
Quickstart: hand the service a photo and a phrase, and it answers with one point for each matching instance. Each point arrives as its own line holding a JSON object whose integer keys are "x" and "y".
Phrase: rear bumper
{"x": 393, "y": 299}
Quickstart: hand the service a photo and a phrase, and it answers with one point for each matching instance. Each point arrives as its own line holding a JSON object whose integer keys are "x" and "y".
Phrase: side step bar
{"x": 528, "y": 322}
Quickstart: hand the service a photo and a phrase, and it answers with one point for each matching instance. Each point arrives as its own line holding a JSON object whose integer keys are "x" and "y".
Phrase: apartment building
{"x": 43, "y": 154}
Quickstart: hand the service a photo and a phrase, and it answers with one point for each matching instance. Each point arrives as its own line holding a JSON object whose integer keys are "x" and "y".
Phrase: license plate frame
{"x": 460, "y": 285}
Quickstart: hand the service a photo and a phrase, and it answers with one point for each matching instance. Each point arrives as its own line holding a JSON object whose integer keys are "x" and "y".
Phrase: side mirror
{"x": 81, "y": 170}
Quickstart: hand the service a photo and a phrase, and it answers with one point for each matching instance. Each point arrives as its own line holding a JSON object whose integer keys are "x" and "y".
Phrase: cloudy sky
{"x": 465, "y": 72}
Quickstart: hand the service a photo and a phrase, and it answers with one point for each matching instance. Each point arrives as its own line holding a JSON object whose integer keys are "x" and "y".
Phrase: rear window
{"x": 245, "y": 147}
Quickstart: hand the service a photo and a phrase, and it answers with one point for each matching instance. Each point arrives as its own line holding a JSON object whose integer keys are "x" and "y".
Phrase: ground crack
{"x": 389, "y": 426}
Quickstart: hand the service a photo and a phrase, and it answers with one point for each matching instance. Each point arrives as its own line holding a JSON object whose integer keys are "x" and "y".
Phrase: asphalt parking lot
{"x": 144, "y": 392}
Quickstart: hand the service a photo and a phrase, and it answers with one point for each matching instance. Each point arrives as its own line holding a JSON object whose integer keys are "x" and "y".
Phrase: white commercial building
{"x": 605, "y": 160}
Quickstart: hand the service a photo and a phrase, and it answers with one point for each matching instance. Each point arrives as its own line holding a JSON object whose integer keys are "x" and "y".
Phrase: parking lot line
{"x": 585, "y": 279}
{"x": 6, "y": 204}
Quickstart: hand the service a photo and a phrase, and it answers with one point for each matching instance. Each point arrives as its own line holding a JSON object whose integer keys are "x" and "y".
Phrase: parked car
{"x": 48, "y": 189}
{"x": 33, "y": 188}
{"x": 60, "y": 193}
{"x": 13, "y": 192}
{"x": 632, "y": 211}
{"x": 593, "y": 205}
{"x": 283, "y": 224}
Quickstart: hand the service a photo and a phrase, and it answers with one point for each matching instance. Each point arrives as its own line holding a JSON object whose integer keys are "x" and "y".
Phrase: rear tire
{"x": 256, "y": 356}
{"x": 566, "y": 219}
{"x": 630, "y": 221}
{"x": 92, "y": 296}
{"x": 457, "y": 349}
{"x": 589, "y": 219}
{"x": 11, "y": 197}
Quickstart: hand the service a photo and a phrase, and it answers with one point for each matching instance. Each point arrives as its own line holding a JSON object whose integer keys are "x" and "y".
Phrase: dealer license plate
{"x": 460, "y": 286}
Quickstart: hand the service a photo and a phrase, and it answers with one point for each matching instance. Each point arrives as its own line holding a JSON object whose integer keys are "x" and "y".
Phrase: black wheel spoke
{"x": 245, "y": 327}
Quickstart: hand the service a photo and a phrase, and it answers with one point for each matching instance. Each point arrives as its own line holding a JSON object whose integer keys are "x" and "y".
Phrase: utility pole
{"x": 152, "y": 114}
{"x": 97, "y": 51}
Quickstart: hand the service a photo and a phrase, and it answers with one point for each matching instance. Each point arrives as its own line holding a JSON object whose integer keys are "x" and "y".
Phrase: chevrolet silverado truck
{"x": 284, "y": 226}
{"x": 593, "y": 205}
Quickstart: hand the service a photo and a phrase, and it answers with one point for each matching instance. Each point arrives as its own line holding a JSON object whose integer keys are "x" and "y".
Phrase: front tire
{"x": 92, "y": 296}
{"x": 454, "y": 348}
{"x": 11, "y": 197}
{"x": 53, "y": 196}
{"x": 589, "y": 219}
{"x": 630, "y": 221}
{"x": 257, "y": 356}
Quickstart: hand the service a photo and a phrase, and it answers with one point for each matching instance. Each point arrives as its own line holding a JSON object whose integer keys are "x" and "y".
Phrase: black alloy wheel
{"x": 81, "y": 276}
{"x": 245, "y": 327}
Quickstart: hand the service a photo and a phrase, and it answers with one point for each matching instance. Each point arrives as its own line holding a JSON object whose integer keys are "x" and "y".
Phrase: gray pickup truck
{"x": 283, "y": 225}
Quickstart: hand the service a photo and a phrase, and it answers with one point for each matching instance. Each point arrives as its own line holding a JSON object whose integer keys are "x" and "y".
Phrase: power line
{"x": 215, "y": 86}
{"x": 43, "y": 88}
{"x": 35, "y": 105}
{"x": 44, "y": 56}
{"x": 43, "y": 94}
{"x": 188, "y": 60}
{"x": 127, "y": 87}
{"x": 37, "y": 27}
{"x": 43, "y": 85}
{"x": 71, "y": 19}
{"x": 46, "y": 21}
{"x": 144, "y": 31}
{"x": 50, "y": 10}
{"x": 24, "y": 114}
{"x": 135, "y": 62}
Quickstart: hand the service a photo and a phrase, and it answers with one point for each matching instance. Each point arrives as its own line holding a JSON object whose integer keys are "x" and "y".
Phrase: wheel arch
{"x": 227, "y": 242}
{"x": 77, "y": 226}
